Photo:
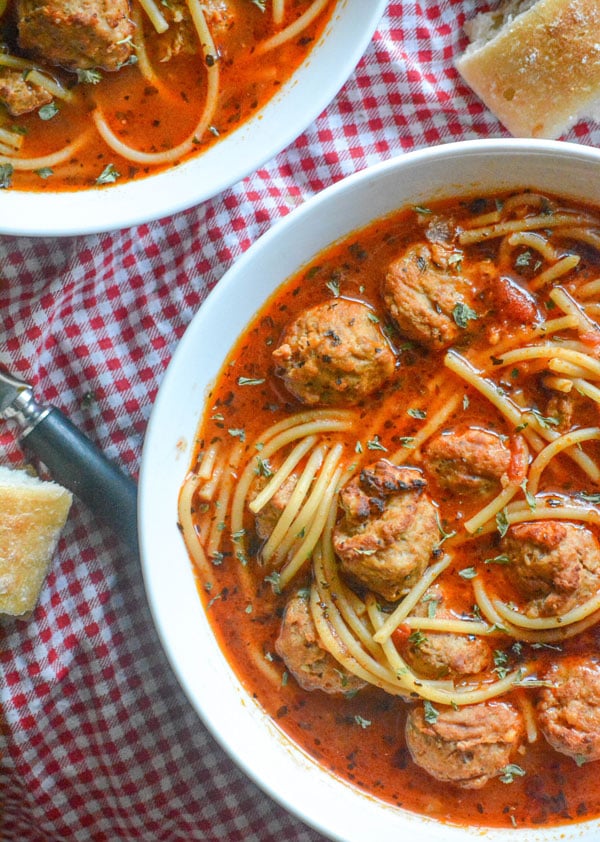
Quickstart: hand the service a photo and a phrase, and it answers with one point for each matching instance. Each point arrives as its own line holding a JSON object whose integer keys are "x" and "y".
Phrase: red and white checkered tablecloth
{"x": 97, "y": 740}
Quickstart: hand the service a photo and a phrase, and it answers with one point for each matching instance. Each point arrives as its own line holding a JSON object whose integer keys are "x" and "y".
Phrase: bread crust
{"x": 539, "y": 69}
{"x": 32, "y": 515}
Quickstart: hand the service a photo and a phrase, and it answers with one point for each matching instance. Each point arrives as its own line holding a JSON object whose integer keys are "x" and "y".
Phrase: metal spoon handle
{"x": 77, "y": 464}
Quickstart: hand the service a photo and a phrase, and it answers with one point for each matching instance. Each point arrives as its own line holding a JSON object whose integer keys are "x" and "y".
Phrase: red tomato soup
{"x": 98, "y": 94}
{"x": 393, "y": 510}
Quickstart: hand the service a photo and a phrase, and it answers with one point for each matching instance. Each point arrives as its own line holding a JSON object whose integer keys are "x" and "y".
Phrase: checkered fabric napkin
{"x": 97, "y": 740}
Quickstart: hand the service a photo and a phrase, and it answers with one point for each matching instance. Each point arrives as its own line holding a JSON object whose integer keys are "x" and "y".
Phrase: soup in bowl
{"x": 112, "y": 115}
{"x": 379, "y": 441}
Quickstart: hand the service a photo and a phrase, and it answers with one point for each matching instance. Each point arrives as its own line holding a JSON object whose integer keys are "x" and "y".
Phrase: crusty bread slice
{"x": 33, "y": 513}
{"x": 536, "y": 64}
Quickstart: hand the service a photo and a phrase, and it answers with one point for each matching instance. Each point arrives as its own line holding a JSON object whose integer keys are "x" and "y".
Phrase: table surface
{"x": 97, "y": 739}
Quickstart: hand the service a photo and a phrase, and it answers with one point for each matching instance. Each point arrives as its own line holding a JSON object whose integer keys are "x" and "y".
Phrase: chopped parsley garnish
{"x": 463, "y": 314}
{"x": 44, "y": 172}
{"x": 544, "y": 420}
{"x": 510, "y": 772}
{"x": 499, "y": 559}
{"x": 443, "y": 534}
{"x": 417, "y": 413}
{"x": 47, "y": 112}
{"x": 467, "y": 573}
{"x": 417, "y": 638}
{"x": 214, "y": 599}
{"x": 502, "y": 523}
{"x": 108, "y": 175}
{"x": 523, "y": 260}
{"x": 430, "y": 714}
{"x": 238, "y": 433}
{"x": 531, "y": 502}
{"x": 274, "y": 580}
{"x": 589, "y": 497}
{"x": 89, "y": 77}
{"x": 6, "y": 172}
{"x": 501, "y": 663}
{"x": 263, "y": 468}
{"x": 375, "y": 444}
{"x": 432, "y": 608}
{"x": 364, "y": 723}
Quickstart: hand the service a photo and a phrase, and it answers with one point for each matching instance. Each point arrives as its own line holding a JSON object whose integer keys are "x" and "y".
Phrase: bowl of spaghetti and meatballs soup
{"x": 375, "y": 542}
{"x": 112, "y": 114}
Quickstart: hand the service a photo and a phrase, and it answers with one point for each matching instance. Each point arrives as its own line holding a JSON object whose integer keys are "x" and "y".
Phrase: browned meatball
{"x": 465, "y": 746}
{"x": 438, "y": 654}
{"x": 334, "y": 353}
{"x": 569, "y": 710}
{"x": 18, "y": 95}
{"x": 181, "y": 36}
{"x": 472, "y": 461}
{"x": 76, "y": 35}
{"x": 389, "y": 529}
{"x": 554, "y": 565}
{"x": 561, "y": 409}
{"x": 313, "y": 667}
{"x": 421, "y": 293}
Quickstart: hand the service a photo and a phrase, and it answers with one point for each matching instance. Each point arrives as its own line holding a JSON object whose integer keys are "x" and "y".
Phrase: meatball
{"x": 334, "y": 353}
{"x": 465, "y": 746}
{"x": 313, "y": 667}
{"x": 18, "y": 95}
{"x": 438, "y": 654}
{"x": 569, "y": 710}
{"x": 469, "y": 462}
{"x": 421, "y": 293}
{"x": 76, "y": 35}
{"x": 561, "y": 409}
{"x": 181, "y": 36}
{"x": 266, "y": 519}
{"x": 388, "y": 530}
{"x": 554, "y": 565}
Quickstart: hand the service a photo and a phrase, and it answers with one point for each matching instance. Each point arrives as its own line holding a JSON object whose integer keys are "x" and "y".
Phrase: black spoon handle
{"x": 77, "y": 464}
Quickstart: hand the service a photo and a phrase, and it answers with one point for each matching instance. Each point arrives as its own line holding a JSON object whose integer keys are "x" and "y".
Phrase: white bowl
{"x": 256, "y": 745}
{"x": 299, "y": 102}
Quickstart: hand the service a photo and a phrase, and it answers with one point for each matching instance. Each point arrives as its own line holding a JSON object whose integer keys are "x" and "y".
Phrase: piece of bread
{"x": 536, "y": 64}
{"x": 33, "y": 513}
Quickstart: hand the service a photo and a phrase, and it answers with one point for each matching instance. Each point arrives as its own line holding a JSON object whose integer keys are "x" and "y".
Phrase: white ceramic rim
{"x": 285, "y": 117}
{"x": 332, "y": 807}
